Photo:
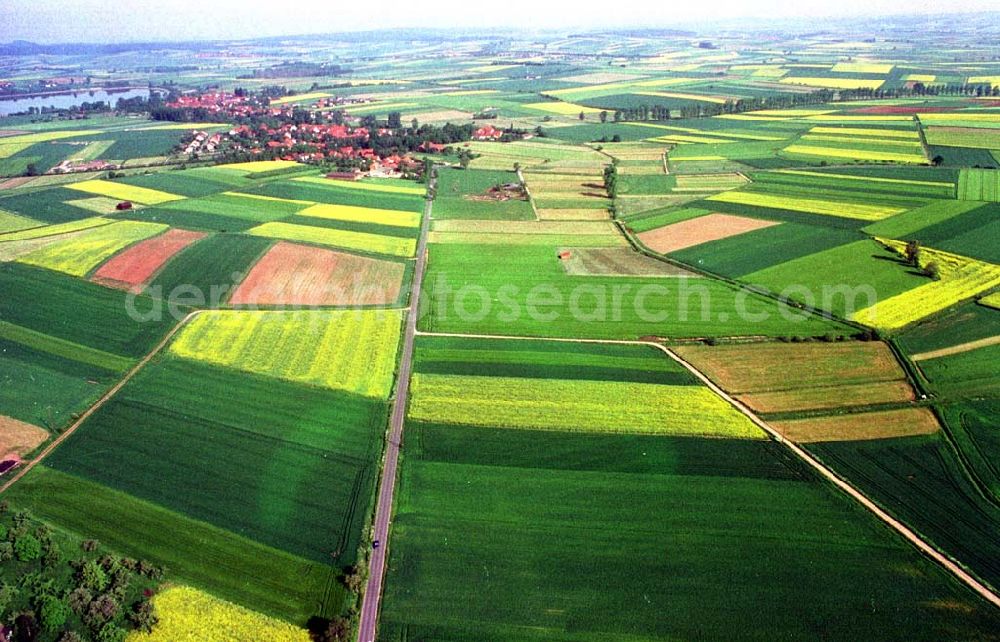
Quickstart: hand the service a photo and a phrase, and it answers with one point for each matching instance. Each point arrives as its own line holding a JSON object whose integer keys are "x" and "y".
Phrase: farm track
{"x": 902, "y": 529}
{"x": 958, "y": 349}
{"x": 368, "y": 620}
{"x": 107, "y": 396}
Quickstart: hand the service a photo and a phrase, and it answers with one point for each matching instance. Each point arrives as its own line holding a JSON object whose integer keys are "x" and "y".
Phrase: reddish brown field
{"x": 291, "y": 274}
{"x": 887, "y": 110}
{"x": 696, "y": 231}
{"x": 132, "y": 268}
{"x": 789, "y": 377}
{"x": 889, "y": 424}
{"x": 17, "y": 181}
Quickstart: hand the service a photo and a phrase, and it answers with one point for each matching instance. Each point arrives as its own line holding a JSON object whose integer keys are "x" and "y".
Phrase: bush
{"x": 27, "y": 548}
{"x": 93, "y": 577}
{"x": 110, "y": 633}
{"x": 53, "y": 613}
{"x": 7, "y": 595}
{"x": 79, "y": 600}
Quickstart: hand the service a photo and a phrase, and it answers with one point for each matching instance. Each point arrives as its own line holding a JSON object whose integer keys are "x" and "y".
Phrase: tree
{"x": 27, "y": 548}
{"x": 395, "y": 120}
{"x": 582, "y": 115}
{"x": 79, "y": 599}
{"x": 354, "y": 579}
{"x": 604, "y": 116}
{"x": 912, "y": 253}
{"x": 52, "y": 555}
{"x": 92, "y": 577}
{"x": 143, "y": 616}
{"x": 517, "y": 167}
{"x": 464, "y": 160}
{"x": 937, "y": 160}
{"x": 414, "y": 124}
{"x": 31, "y": 170}
{"x": 111, "y": 632}
{"x": 932, "y": 270}
{"x": 338, "y": 630}
{"x": 7, "y": 595}
{"x": 53, "y": 613}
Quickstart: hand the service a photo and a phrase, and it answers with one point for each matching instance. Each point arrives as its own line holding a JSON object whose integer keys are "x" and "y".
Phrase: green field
{"x": 455, "y": 187}
{"x": 905, "y": 474}
{"x": 744, "y": 254}
{"x": 205, "y": 272}
{"x": 522, "y": 290}
{"x": 230, "y": 566}
{"x": 979, "y": 185}
{"x": 840, "y": 279}
{"x": 77, "y": 311}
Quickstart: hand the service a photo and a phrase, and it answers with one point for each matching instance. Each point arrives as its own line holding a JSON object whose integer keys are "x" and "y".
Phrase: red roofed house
{"x": 488, "y": 132}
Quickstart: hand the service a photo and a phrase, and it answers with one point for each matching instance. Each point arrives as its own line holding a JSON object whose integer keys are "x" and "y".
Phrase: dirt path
{"x": 960, "y": 348}
{"x": 368, "y": 621}
{"x": 24, "y": 470}
{"x": 927, "y": 549}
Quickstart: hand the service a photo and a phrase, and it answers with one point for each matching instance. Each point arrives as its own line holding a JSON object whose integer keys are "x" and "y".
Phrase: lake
{"x": 65, "y": 101}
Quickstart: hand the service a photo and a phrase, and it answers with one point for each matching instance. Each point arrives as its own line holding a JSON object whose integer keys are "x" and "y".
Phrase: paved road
{"x": 21, "y": 472}
{"x": 383, "y": 511}
{"x": 911, "y": 536}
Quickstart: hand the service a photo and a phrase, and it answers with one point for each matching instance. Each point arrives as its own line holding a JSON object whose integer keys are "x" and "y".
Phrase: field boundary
{"x": 99, "y": 403}
{"x": 818, "y": 466}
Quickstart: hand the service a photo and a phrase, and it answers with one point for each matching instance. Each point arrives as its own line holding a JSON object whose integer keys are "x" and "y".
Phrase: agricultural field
{"x": 551, "y": 478}
{"x": 535, "y": 297}
{"x": 777, "y": 378}
{"x": 338, "y": 238}
{"x": 207, "y": 309}
{"x": 354, "y": 351}
{"x": 703, "y": 229}
{"x": 291, "y": 274}
{"x": 134, "y": 267}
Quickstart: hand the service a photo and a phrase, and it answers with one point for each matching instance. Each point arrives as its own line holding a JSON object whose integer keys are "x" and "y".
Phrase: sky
{"x": 53, "y": 21}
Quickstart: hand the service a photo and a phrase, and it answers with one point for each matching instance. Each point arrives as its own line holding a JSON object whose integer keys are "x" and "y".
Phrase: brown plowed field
{"x": 696, "y": 231}
{"x": 292, "y": 274}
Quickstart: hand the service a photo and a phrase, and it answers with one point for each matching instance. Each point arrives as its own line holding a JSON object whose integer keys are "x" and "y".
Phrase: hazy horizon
{"x": 90, "y": 21}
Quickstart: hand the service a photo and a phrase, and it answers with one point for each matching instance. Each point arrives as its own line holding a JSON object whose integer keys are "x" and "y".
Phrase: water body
{"x": 65, "y": 101}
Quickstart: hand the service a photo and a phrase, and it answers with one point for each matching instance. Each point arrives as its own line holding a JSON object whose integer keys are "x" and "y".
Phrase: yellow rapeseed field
{"x": 811, "y": 205}
{"x": 316, "y": 95}
{"x": 389, "y": 188}
{"x": 961, "y": 278}
{"x": 80, "y": 254}
{"x": 357, "y": 214}
{"x": 867, "y": 131}
{"x": 834, "y": 83}
{"x": 862, "y": 68}
{"x": 350, "y": 350}
{"x": 125, "y": 192}
{"x": 561, "y": 108}
{"x": 577, "y": 406}
{"x": 858, "y": 154}
{"x": 256, "y": 167}
{"x": 345, "y": 239}
{"x": 189, "y": 615}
